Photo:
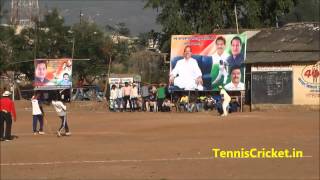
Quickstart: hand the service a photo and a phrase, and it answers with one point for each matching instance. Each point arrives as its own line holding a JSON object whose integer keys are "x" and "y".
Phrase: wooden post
{"x": 236, "y": 16}
{"x": 13, "y": 87}
{"x": 108, "y": 76}
{"x": 241, "y": 101}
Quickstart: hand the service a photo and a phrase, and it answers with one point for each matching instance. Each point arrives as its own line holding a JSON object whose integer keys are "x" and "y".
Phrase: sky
{"x": 104, "y": 12}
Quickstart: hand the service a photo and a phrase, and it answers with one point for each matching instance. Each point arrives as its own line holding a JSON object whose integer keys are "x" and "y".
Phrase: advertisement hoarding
{"x": 52, "y": 74}
{"x": 216, "y": 59}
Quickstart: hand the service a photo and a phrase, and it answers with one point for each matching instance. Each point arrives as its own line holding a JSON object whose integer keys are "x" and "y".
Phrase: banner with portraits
{"x": 205, "y": 62}
{"x": 52, "y": 74}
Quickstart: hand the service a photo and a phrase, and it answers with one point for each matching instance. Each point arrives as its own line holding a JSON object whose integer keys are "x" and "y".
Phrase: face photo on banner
{"x": 53, "y": 73}
{"x": 215, "y": 56}
{"x": 41, "y": 66}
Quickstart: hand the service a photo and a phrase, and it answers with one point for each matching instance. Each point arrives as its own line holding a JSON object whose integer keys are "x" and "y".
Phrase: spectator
{"x": 139, "y": 103}
{"x": 166, "y": 106}
{"x": 145, "y": 95}
{"x": 152, "y": 102}
{"x": 191, "y": 104}
{"x": 200, "y": 103}
{"x": 126, "y": 96}
{"x": 218, "y": 104}
{"x": 79, "y": 90}
{"x": 183, "y": 102}
{"x": 134, "y": 97}
{"x": 209, "y": 103}
{"x": 153, "y": 89}
{"x": 161, "y": 94}
{"x": 234, "y": 105}
{"x": 113, "y": 98}
{"x": 119, "y": 91}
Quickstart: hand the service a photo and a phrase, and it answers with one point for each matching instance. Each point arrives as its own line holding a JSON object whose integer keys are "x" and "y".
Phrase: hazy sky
{"x": 104, "y": 12}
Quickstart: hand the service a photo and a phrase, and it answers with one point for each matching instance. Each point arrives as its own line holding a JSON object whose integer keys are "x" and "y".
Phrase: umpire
{"x": 7, "y": 112}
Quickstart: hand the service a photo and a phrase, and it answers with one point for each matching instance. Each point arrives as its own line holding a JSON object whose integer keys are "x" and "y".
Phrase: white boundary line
{"x": 131, "y": 161}
{"x": 102, "y": 161}
{"x": 78, "y": 133}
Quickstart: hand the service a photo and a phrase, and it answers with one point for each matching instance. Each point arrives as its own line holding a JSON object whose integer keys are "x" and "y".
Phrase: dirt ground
{"x": 162, "y": 146}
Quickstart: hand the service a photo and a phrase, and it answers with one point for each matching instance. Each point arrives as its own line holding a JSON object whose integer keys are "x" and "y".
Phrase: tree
{"x": 52, "y": 39}
{"x": 47, "y": 40}
{"x": 149, "y": 65}
{"x": 306, "y": 11}
{"x": 3, "y": 12}
{"x": 194, "y": 17}
{"x": 89, "y": 43}
{"x": 6, "y": 56}
{"x": 118, "y": 29}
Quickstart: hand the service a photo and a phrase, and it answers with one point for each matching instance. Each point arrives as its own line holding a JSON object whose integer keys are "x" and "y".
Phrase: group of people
{"x": 83, "y": 91}
{"x": 153, "y": 98}
{"x": 8, "y": 114}
{"x": 38, "y": 114}
{"x": 187, "y": 75}
{"x": 205, "y": 102}
{"x": 130, "y": 98}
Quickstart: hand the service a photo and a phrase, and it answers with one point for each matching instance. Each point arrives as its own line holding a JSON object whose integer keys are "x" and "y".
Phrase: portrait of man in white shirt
{"x": 187, "y": 74}
{"x": 220, "y": 53}
{"x": 220, "y": 57}
{"x": 235, "y": 84}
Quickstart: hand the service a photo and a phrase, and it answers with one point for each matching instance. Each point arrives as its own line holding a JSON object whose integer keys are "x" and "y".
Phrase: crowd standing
{"x": 156, "y": 98}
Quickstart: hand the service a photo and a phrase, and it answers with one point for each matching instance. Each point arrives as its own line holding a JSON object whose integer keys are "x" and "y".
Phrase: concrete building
{"x": 283, "y": 66}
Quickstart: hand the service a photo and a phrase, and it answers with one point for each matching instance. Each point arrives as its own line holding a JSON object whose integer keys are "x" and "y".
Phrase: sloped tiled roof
{"x": 296, "y": 42}
{"x": 281, "y": 57}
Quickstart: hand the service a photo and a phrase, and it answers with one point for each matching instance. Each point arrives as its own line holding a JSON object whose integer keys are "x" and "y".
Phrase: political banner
{"x": 52, "y": 74}
{"x": 205, "y": 62}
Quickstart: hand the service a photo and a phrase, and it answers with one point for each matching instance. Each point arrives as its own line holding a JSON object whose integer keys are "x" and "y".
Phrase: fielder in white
{"x": 61, "y": 111}
{"x": 225, "y": 100}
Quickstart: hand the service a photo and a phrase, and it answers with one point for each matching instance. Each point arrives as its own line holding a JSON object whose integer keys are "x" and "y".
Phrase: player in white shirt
{"x": 225, "y": 100}
{"x": 61, "y": 110}
{"x": 187, "y": 74}
{"x": 37, "y": 115}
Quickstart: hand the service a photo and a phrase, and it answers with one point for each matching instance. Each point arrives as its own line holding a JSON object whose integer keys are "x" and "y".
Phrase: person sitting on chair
{"x": 183, "y": 102}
